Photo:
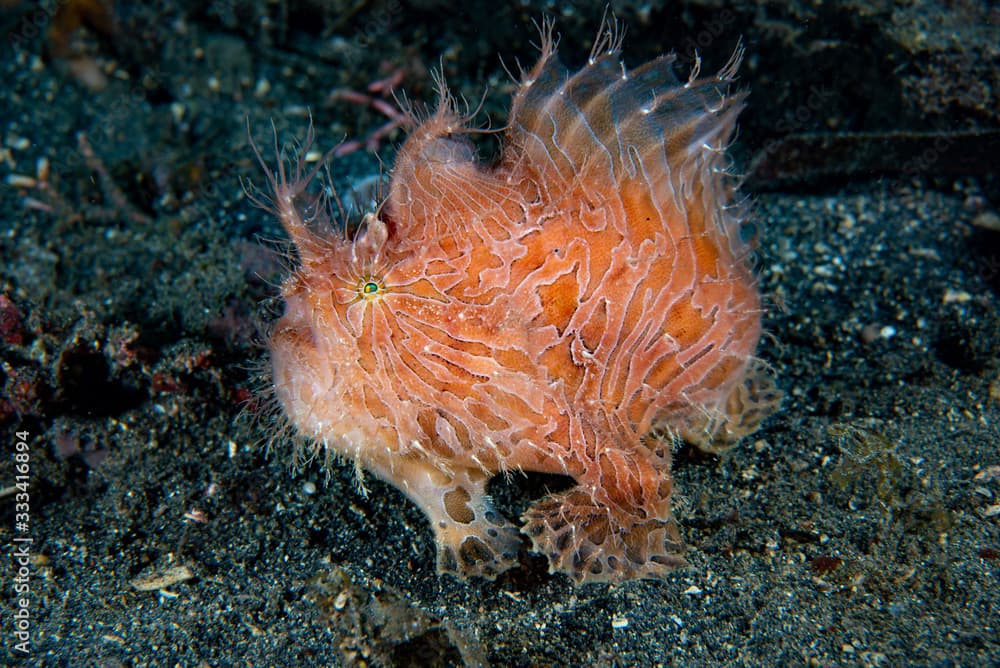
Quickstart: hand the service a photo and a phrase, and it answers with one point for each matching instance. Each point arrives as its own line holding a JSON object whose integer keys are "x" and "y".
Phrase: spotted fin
{"x": 738, "y": 415}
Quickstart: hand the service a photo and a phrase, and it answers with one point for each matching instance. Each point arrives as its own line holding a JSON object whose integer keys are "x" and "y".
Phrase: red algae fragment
{"x": 574, "y": 309}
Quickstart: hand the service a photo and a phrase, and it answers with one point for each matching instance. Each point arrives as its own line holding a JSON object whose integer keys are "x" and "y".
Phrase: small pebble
{"x": 956, "y": 296}
{"x": 995, "y": 390}
{"x": 988, "y": 220}
{"x": 18, "y": 143}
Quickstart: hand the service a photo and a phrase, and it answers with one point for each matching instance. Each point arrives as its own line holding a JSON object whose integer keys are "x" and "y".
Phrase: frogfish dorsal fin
{"x": 605, "y": 124}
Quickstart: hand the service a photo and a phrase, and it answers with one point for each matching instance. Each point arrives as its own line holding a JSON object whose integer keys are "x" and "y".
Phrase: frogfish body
{"x": 574, "y": 308}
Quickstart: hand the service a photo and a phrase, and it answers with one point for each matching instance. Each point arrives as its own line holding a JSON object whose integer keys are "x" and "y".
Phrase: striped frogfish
{"x": 576, "y": 307}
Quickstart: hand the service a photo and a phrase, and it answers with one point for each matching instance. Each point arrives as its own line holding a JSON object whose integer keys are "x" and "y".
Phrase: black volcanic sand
{"x": 859, "y": 527}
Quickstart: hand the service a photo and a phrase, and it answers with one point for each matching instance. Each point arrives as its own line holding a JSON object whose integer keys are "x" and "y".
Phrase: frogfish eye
{"x": 370, "y": 288}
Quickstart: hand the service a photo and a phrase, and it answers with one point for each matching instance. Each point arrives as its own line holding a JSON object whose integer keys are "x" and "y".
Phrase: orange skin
{"x": 570, "y": 309}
